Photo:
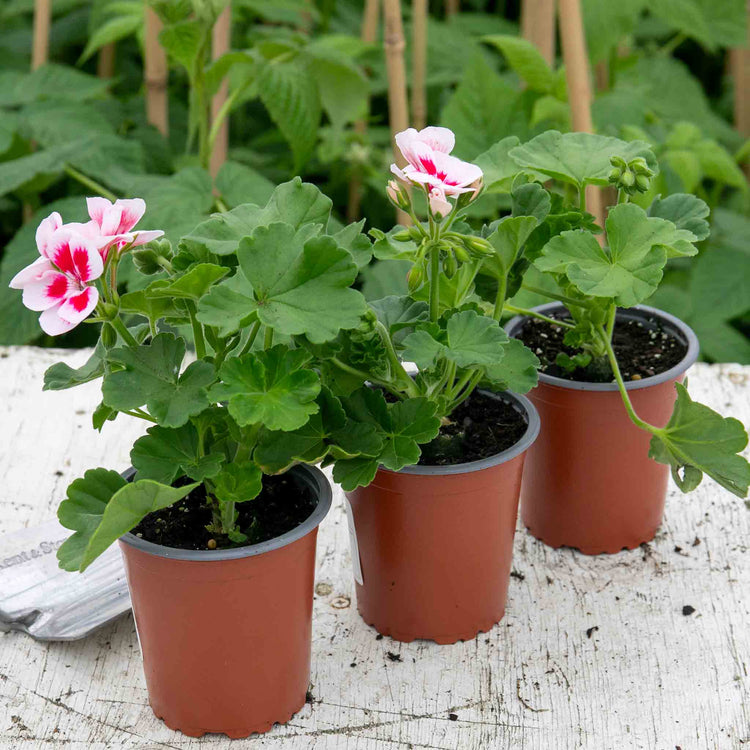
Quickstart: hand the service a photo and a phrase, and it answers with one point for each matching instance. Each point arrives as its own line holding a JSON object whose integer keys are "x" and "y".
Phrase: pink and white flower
{"x": 430, "y": 165}
{"x": 58, "y": 283}
{"x": 112, "y": 223}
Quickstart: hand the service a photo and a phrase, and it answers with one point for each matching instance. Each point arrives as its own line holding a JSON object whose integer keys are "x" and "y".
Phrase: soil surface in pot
{"x": 643, "y": 348}
{"x": 284, "y": 503}
{"x": 480, "y": 427}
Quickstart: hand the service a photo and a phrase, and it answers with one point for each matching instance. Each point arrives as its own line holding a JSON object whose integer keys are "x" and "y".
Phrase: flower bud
{"x": 642, "y": 183}
{"x": 415, "y": 234}
{"x": 618, "y": 161}
{"x": 461, "y": 253}
{"x": 403, "y": 236}
{"x": 627, "y": 179}
{"x": 477, "y": 245}
{"x": 414, "y": 278}
{"x": 449, "y": 265}
{"x": 108, "y": 335}
{"x": 614, "y": 175}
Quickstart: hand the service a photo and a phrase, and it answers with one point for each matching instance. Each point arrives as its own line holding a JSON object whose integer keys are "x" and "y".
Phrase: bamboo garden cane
{"x": 155, "y": 74}
{"x": 575, "y": 56}
{"x": 369, "y": 34}
{"x": 740, "y": 64}
{"x": 221, "y": 42}
{"x": 40, "y": 42}
{"x": 398, "y": 105}
{"x": 538, "y": 26}
{"x": 105, "y": 62}
{"x": 419, "y": 64}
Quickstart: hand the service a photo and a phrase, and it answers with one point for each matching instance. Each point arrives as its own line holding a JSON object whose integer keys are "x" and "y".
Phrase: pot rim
{"x": 631, "y": 385}
{"x": 311, "y": 475}
{"x": 532, "y": 430}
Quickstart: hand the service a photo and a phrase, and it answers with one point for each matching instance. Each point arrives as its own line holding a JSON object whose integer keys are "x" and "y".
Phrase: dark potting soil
{"x": 480, "y": 427}
{"x": 643, "y": 348}
{"x": 284, "y": 503}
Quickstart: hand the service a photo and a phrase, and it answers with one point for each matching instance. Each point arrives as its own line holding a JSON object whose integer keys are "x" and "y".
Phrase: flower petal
{"x": 142, "y": 238}
{"x": 453, "y": 172}
{"x": 75, "y": 255}
{"x": 52, "y": 324}
{"x": 46, "y": 229}
{"x": 32, "y": 272}
{"x": 438, "y": 203}
{"x": 97, "y": 208}
{"x": 51, "y": 289}
{"x": 405, "y": 141}
{"x": 79, "y": 306}
{"x": 438, "y": 139}
{"x": 131, "y": 211}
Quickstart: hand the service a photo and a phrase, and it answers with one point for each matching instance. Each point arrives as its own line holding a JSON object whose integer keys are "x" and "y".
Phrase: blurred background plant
{"x": 201, "y": 105}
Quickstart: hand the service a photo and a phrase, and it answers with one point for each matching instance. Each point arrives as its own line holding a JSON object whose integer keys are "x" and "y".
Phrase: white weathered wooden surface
{"x": 594, "y": 652}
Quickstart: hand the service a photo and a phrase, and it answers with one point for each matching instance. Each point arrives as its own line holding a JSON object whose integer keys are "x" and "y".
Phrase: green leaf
{"x": 712, "y": 24}
{"x": 182, "y": 42}
{"x": 351, "y": 473}
{"x": 633, "y": 267}
{"x": 269, "y": 388}
{"x": 327, "y": 429}
{"x": 497, "y": 166}
{"x": 342, "y": 87}
{"x": 238, "y": 482}
{"x": 145, "y": 302}
{"x": 60, "y": 376}
{"x": 48, "y": 82}
{"x": 517, "y": 371}
{"x": 239, "y": 184}
{"x": 295, "y": 202}
{"x": 507, "y": 240}
{"x": 470, "y": 339}
{"x": 229, "y": 306}
{"x": 152, "y": 377}
{"x": 697, "y": 440}
{"x": 531, "y": 199}
{"x": 101, "y": 506}
{"x": 292, "y": 100}
{"x": 113, "y": 30}
{"x": 608, "y": 23}
{"x": 484, "y": 109}
{"x": 163, "y": 454}
{"x": 524, "y": 57}
{"x": 296, "y": 288}
{"x": 685, "y": 212}
{"x": 191, "y": 285}
{"x": 358, "y": 244}
{"x": 578, "y": 158}
{"x": 399, "y": 314}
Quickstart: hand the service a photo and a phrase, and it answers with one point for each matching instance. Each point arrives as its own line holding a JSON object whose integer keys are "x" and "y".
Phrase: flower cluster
{"x": 431, "y": 166}
{"x": 59, "y": 283}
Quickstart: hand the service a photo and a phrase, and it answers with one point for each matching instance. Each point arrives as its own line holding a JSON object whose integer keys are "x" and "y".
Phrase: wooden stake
{"x": 398, "y": 104}
{"x": 578, "y": 75}
{"x": 40, "y": 43}
{"x": 451, "y": 7}
{"x": 419, "y": 64}
{"x": 155, "y": 74}
{"x": 369, "y": 35}
{"x": 740, "y": 65}
{"x": 221, "y": 42}
{"x": 538, "y": 26}
{"x": 105, "y": 63}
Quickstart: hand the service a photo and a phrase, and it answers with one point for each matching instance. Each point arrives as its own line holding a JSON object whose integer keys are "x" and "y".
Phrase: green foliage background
{"x": 300, "y": 77}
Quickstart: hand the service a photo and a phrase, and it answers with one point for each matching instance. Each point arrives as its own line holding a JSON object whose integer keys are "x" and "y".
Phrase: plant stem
{"x": 365, "y": 377}
{"x": 223, "y": 208}
{"x": 672, "y": 44}
{"x": 434, "y": 282}
{"x": 622, "y": 197}
{"x": 200, "y": 344}
{"x": 395, "y": 362}
{"x": 122, "y": 329}
{"x": 268, "y": 338}
{"x": 468, "y": 390}
{"x": 611, "y": 315}
{"x": 582, "y": 198}
{"x": 502, "y": 286}
{"x": 89, "y": 183}
{"x": 140, "y": 415}
{"x": 533, "y": 314}
{"x": 251, "y": 338}
{"x": 621, "y": 386}
{"x": 559, "y": 297}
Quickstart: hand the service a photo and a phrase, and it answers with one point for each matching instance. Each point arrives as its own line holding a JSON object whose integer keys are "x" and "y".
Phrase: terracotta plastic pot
{"x": 225, "y": 634}
{"x": 589, "y": 482}
{"x": 435, "y": 543}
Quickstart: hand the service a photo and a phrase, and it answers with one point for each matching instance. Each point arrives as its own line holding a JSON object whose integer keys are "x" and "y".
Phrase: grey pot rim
{"x": 311, "y": 475}
{"x": 632, "y": 385}
{"x": 526, "y": 441}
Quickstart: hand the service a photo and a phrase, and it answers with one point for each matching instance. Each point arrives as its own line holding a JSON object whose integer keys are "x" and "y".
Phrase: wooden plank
{"x": 594, "y": 652}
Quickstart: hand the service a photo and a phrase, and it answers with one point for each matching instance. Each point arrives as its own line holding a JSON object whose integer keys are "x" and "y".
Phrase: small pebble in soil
{"x": 687, "y": 610}
{"x": 211, "y": 544}
{"x": 453, "y": 717}
{"x": 379, "y": 637}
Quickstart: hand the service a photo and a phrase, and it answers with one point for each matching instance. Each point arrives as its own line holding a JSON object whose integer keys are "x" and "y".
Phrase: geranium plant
{"x": 291, "y": 364}
{"x": 597, "y": 274}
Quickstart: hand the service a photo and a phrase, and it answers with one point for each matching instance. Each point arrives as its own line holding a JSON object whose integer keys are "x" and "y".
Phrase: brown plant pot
{"x": 225, "y": 635}
{"x": 435, "y": 543}
{"x": 589, "y": 482}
